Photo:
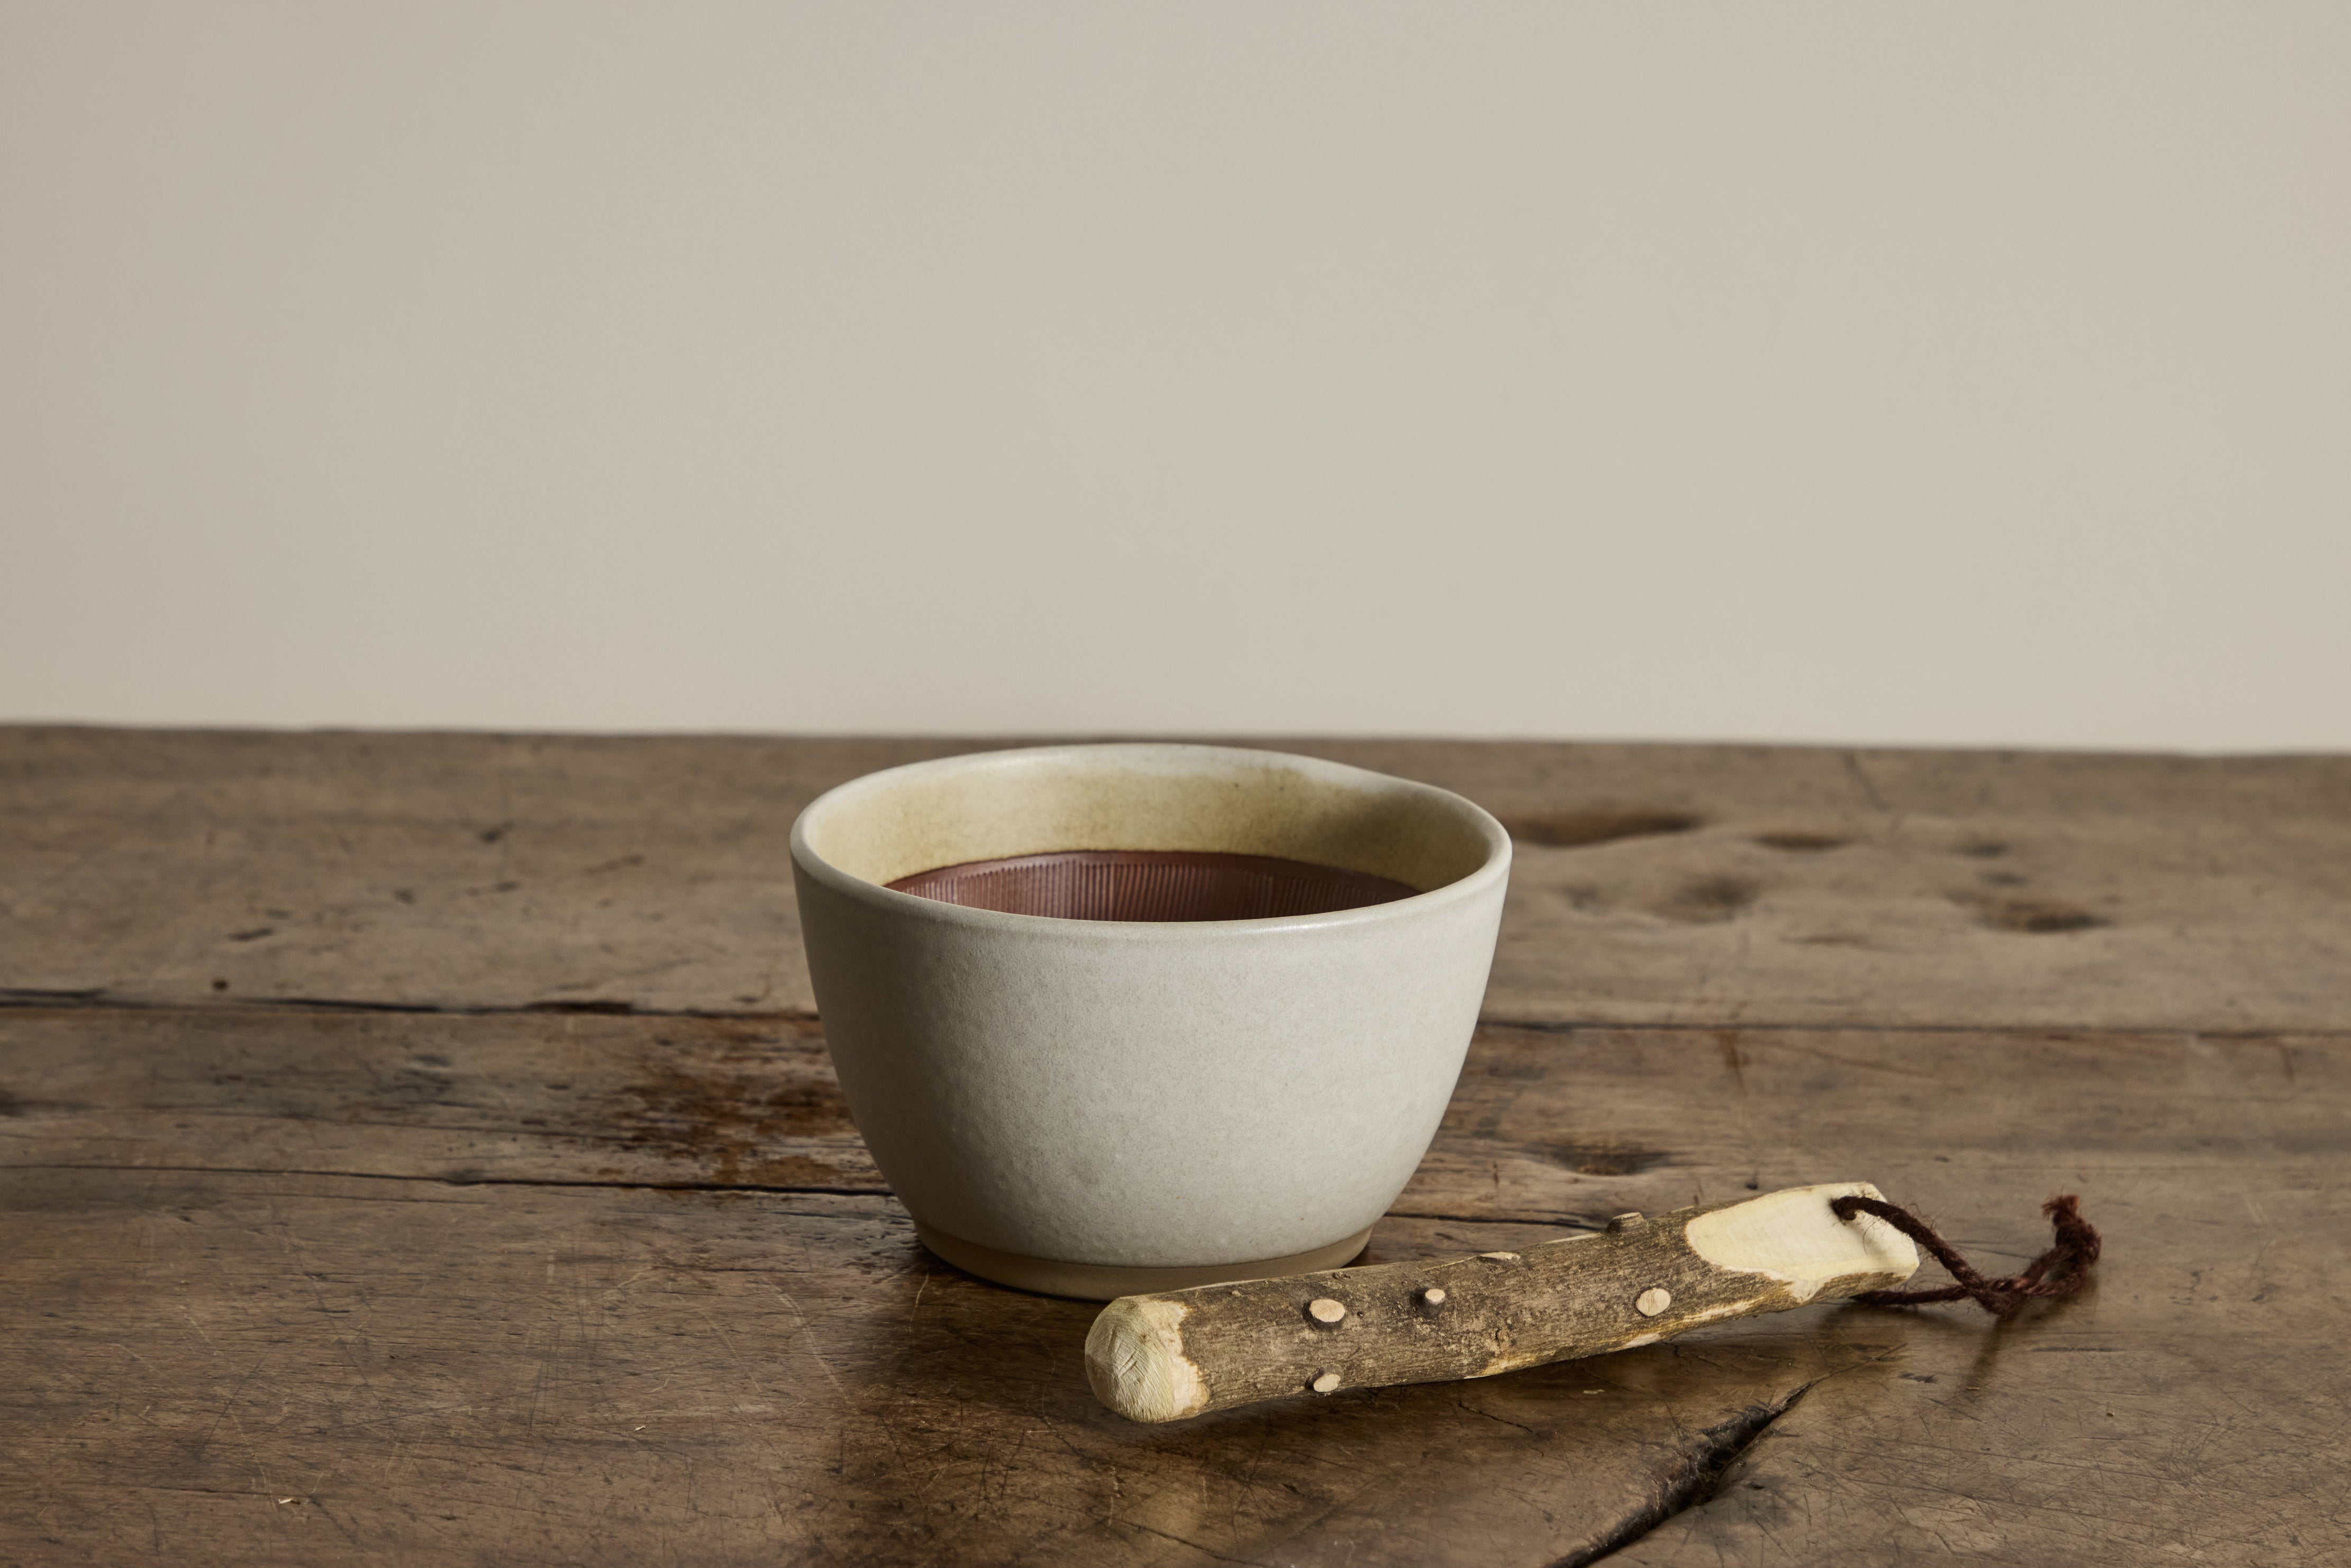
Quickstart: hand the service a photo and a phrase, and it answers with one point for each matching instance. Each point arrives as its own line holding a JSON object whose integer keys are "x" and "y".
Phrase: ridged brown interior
{"x": 1151, "y": 885}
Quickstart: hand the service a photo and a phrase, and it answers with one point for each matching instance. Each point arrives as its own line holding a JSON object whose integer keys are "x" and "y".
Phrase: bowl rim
{"x": 1494, "y": 869}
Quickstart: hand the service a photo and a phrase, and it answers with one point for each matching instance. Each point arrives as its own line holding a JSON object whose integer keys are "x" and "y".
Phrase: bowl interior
{"x": 1347, "y": 835}
{"x": 1152, "y": 885}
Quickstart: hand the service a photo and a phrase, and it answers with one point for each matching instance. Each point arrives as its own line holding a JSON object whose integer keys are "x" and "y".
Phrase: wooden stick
{"x": 1185, "y": 1353}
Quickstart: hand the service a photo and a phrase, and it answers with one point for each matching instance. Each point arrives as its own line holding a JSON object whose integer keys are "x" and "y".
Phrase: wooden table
{"x": 421, "y": 1149}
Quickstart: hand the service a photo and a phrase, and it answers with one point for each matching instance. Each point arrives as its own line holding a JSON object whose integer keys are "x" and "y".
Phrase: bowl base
{"x": 1107, "y": 1282}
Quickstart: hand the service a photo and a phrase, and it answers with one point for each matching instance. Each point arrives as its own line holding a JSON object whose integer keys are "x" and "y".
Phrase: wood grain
{"x": 435, "y": 1266}
{"x": 607, "y": 1377}
{"x": 441, "y": 1363}
{"x": 1655, "y": 884}
{"x": 665, "y": 1101}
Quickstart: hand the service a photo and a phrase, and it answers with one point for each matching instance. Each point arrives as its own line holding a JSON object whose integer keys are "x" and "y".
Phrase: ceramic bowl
{"x": 1098, "y": 1107}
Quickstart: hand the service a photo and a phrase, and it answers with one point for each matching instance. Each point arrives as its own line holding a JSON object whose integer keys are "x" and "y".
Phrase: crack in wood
{"x": 1170, "y": 1535}
{"x": 96, "y": 999}
{"x": 1564, "y": 1222}
{"x": 468, "y": 1180}
{"x": 1699, "y": 1024}
{"x": 1693, "y": 1481}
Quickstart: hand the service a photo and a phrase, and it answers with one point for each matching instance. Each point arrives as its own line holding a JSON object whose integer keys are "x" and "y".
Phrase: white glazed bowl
{"x": 1095, "y": 1108}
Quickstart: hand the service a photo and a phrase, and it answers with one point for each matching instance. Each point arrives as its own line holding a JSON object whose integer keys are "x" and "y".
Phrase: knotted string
{"x": 2068, "y": 1258}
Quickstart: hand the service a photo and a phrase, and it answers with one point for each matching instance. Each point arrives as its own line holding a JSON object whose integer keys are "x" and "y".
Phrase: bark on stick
{"x": 1186, "y": 1352}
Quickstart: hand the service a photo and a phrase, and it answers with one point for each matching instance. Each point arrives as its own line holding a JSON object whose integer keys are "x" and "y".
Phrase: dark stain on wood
{"x": 13, "y": 1106}
{"x": 1709, "y": 899}
{"x": 723, "y": 1093}
{"x": 1801, "y": 842}
{"x": 1608, "y": 1157}
{"x": 1575, "y": 829}
{"x": 2036, "y": 916}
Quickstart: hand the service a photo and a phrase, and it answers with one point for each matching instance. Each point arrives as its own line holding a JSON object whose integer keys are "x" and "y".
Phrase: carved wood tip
{"x": 1135, "y": 1361}
{"x": 1795, "y": 1237}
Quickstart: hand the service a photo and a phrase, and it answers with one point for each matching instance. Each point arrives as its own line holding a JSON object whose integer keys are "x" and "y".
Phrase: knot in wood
{"x": 1624, "y": 1222}
{"x": 1434, "y": 1296}
{"x": 1653, "y": 1301}
{"x": 1323, "y": 1309}
{"x": 1326, "y": 1383}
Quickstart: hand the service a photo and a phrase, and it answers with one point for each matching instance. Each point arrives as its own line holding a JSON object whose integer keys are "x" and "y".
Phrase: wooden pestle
{"x": 1184, "y": 1353}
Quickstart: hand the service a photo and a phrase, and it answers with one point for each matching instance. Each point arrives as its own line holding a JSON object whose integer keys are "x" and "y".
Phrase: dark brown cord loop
{"x": 2069, "y": 1258}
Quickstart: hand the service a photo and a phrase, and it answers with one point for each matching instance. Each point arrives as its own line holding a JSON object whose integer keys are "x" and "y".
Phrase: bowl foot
{"x": 1107, "y": 1282}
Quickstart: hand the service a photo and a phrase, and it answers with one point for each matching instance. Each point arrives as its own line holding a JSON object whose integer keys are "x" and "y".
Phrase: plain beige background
{"x": 1955, "y": 373}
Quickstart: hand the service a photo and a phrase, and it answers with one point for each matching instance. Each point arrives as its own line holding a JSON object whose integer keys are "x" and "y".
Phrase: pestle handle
{"x": 1185, "y": 1353}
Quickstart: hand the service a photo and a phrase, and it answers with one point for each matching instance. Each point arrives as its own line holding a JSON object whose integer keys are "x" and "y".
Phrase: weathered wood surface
{"x": 444, "y": 1354}
{"x": 435, "y": 1374}
{"x": 1655, "y": 884}
{"x": 502, "y": 1286}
